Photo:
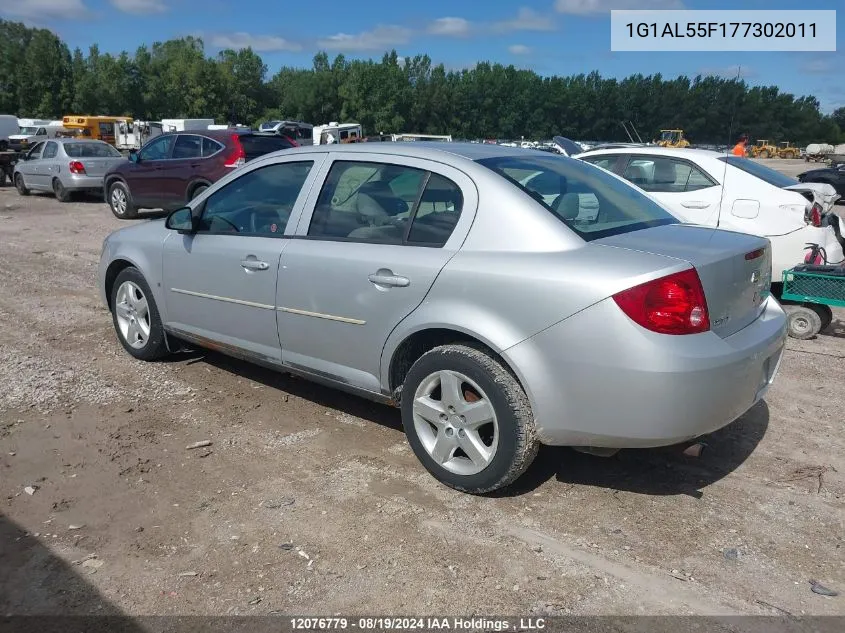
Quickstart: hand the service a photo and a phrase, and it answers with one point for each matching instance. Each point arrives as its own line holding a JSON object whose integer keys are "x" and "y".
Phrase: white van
{"x": 30, "y": 135}
{"x": 8, "y": 128}
{"x": 180, "y": 125}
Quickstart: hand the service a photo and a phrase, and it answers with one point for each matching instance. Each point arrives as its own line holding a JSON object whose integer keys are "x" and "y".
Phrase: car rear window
{"x": 762, "y": 172}
{"x": 91, "y": 150}
{"x": 257, "y": 145}
{"x": 589, "y": 200}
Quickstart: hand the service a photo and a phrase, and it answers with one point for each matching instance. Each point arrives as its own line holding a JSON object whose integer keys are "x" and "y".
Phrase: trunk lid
{"x": 735, "y": 274}
{"x": 98, "y": 166}
{"x": 823, "y": 193}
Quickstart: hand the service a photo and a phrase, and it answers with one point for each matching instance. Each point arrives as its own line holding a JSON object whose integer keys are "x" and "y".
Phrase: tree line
{"x": 41, "y": 78}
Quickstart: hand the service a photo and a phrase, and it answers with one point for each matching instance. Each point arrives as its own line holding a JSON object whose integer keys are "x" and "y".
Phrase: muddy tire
{"x": 468, "y": 419}
{"x": 120, "y": 201}
{"x": 135, "y": 316}
{"x": 62, "y": 194}
{"x": 802, "y": 321}
{"x": 20, "y": 186}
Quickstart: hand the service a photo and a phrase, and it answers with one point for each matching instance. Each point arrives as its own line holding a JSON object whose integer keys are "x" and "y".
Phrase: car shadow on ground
{"x": 836, "y": 329}
{"x": 658, "y": 471}
{"x": 661, "y": 471}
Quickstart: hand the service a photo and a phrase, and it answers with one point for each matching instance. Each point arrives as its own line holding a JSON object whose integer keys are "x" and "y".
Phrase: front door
{"x": 220, "y": 283}
{"x": 690, "y": 193}
{"x": 364, "y": 259}
{"x": 31, "y": 167}
{"x": 143, "y": 177}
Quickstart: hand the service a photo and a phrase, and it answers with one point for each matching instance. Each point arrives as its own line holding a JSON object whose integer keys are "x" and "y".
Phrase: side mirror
{"x": 133, "y": 156}
{"x": 182, "y": 220}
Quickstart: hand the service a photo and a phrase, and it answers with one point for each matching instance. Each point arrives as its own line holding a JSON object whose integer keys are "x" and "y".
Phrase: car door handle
{"x": 695, "y": 205}
{"x": 254, "y": 264}
{"x": 385, "y": 277}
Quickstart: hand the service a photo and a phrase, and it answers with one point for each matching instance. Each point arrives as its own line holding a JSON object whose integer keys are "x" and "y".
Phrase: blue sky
{"x": 548, "y": 36}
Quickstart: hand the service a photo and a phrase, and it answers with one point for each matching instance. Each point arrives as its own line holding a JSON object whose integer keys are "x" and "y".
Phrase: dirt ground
{"x": 310, "y": 501}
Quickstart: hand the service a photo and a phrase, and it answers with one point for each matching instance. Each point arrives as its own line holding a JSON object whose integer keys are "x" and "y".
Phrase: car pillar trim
{"x": 320, "y": 315}
{"x": 252, "y": 304}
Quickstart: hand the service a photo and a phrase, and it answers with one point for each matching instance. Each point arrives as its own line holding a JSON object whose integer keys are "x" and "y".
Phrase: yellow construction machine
{"x": 672, "y": 138}
{"x": 763, "y": 149}
{"x": 787, "y": 150}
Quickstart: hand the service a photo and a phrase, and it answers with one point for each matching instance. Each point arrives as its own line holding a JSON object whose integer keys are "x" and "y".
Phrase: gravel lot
{"x": 309, "y": 500}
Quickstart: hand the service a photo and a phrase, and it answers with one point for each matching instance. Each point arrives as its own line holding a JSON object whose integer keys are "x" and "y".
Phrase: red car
{"x": 174, "y": 168}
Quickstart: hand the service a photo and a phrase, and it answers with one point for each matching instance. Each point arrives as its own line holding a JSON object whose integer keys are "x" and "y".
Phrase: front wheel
{"x": 764, "y": 154}
{"x": 135, "y": 316}
{"x": 120, "y": 201}
{"x": 20, "y": 186}
{"x": 468, "y": 419}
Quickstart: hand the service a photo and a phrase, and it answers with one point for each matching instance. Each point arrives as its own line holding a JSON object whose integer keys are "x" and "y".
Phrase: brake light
{"x": 237, "y": 157}
{"x": 816, "y": 214}
{"x": 755, "y": 254}
{"x": 674, "y": 304}
{"x": 76, "y": 167}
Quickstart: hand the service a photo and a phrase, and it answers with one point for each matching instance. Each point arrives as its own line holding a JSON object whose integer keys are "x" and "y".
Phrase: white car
{"x": 733, "y": 193}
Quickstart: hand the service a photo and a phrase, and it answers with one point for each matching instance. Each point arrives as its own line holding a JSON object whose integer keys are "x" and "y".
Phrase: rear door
{"x": 182, "y": 169}
{"x": 688, "y": 191}
{"x": 48, "y": 166}
{"x": 363, "y": 258}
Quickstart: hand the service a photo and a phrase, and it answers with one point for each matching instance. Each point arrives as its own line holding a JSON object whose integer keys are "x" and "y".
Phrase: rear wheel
{"x": 198, "y": 190}
{"x": 764, "y": 154}
{"x": 467, "y": 419}
{"x": 120, "y": 201}
{"x": 62, "y": 194}
{"x": 803, "y": 322}
{"x": 20, "y": 186}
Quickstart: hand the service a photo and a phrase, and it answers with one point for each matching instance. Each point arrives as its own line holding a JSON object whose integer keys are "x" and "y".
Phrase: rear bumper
{"x": 598, "y": 379}
{"x": 75, "y": 182}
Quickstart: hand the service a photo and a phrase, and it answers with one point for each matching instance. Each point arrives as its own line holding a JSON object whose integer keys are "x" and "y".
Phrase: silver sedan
{"x": 64, "y": 166}
{"x": 502, "y": 298}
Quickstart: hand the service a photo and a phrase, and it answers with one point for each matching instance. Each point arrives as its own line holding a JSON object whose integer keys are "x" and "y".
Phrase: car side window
{"x": 35, "y": 152}
{"x": 666, "y": 175}
{"x": 187, "y": 146}
{"x": 259, "y": 202}
{"x": 440, "y": 207}
{"x": 210, "y": 146}
{"x": 605, "y": 162}
{"x": 367, "y": 202}
{"x": 50, "y": 150}
{"x": 157, "y": 149}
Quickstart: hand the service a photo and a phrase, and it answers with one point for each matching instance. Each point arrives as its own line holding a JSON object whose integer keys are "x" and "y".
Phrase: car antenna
{"x": 727, "y": 152}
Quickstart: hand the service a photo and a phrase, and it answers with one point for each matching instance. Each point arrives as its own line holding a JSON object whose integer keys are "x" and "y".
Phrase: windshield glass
{"x": 29, "y": 130}
{"x": 760, "y": 171}
{"x": 91, "y": 150}
{"x": 589, "y": 200}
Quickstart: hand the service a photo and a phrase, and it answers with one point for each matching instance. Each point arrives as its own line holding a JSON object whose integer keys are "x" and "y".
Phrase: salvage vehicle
{"x": 8, "y": 127}
{"x": 174, "y": 168}
{"x": 30, "y": 135}
{"x": 834, "y": 176}
{"x": 734, "y": 193}
{"x": 97, "y": 128}
{"x": 65, "y": 166}
{"x": 426, "y": 276}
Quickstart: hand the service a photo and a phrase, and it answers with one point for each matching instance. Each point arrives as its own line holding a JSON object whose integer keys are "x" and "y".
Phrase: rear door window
{"x": 591, "y": 202}
{"x": 50, "y": 150}
{"x": 187, "y": 146}
{"x": 605, "y": 162}
{"x": 256, "y": 145}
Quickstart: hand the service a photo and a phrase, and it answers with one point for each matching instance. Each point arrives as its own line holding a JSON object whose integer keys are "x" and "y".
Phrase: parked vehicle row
{"x": 464, "y": 284}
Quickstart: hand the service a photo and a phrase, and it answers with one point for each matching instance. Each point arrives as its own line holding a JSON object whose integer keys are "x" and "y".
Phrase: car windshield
{"x": 29, "y": 130}
{"x": 589, "y": 200}
{"x": 760, "y": 171}
{"x": 91, "y": 150}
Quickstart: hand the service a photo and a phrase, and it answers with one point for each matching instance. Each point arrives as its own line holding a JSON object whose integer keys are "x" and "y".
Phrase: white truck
{"x": 8, "y": 127}
{"x": 335, "y": 132}
{"x": 180, "y": 125}
{"x": 129, "y": 136}
{"x": 29, "y": 135}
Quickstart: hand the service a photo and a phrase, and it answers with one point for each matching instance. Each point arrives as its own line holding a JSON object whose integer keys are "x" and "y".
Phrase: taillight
{"x": 76, "y": 167}
{"x": 816, "y": 214}
{"x": 237, "y": 157}
{"x": 674, "y": 304}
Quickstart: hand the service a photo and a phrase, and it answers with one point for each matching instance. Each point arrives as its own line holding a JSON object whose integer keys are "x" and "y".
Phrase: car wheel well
{"x": 110, "y": 181}
{"x": 418, "y": 343}
{"x": 112, "y": 272}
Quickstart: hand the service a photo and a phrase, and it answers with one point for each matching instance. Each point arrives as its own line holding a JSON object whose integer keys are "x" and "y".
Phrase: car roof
{"x": 422, "y": 149}
{"x": 657, "y": 151}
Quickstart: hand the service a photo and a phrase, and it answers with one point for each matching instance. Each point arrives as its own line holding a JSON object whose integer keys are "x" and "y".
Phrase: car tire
{"x": 825, "y": 314}
{"x": 62, "y": 194}
{"x": 135, "y": 316}
{"x": 497, "y": 451}
{"x": 20, "y": 186}
{"x": 120, "y": 201}
{"x": 197, "y": 191}
{"x": 802, "y": 321}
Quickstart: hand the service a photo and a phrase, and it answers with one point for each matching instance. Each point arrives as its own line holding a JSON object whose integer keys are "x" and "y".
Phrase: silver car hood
{"x": 822, "y": 193}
